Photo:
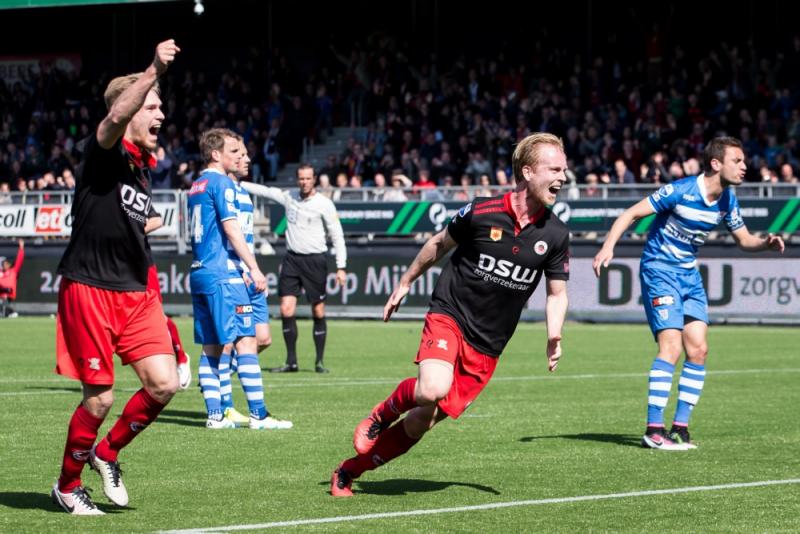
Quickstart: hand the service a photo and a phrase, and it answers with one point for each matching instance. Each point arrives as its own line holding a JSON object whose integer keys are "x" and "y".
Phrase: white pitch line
{"x": 488, "y": 506}
{"x": 379, "y": 382}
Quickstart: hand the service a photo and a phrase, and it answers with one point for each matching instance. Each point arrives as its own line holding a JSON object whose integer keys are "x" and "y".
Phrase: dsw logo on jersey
{"x": 136, "y": 204}
{"x": 506, "y": 269}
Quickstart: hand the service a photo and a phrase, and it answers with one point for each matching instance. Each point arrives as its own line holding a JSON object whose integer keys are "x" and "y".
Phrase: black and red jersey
{"x": 108, "y": 247}
{"x": 496, "y": 267}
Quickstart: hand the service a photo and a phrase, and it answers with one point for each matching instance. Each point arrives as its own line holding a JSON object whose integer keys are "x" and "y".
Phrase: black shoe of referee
{"x": 288, "y": 368}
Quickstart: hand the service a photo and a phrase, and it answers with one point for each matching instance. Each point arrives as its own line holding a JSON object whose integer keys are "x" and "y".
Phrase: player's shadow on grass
{"x": 628, "y": 440}
{"x": 405, "y": 486}
{"x": 182, "y": 417}
{"x": 31, "y": 500}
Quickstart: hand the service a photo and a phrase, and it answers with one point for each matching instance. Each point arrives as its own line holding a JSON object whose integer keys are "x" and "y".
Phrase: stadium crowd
{"x": 638, "y": 118}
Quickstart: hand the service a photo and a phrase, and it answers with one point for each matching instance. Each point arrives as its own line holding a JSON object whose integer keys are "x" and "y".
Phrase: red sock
{"x": 140, "y": 411}
{"x": 80, "y": 437}
{"x": 389, "y": 445}
{"x": 399, "y": 402}
{"x": 177, "y": 346}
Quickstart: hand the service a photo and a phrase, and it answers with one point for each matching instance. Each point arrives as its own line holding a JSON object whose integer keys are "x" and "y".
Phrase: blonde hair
{"x": 118, "y": 85}
{"x": 213, "y": 139}
{"x": 527, "y": 152}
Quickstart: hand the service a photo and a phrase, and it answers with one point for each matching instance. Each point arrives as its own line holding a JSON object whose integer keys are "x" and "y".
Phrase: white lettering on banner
{"x": 736, "y": 287}
{"x": 366, "y": 215}
{"x": 56, "y": 219}
{"x": 382, "y": 281}
{"x": 53, "y": 220}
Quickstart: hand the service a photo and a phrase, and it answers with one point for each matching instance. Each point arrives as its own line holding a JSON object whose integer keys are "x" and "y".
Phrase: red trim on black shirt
{"x": 138, "y": 155}
{"x": 510, "y": 210}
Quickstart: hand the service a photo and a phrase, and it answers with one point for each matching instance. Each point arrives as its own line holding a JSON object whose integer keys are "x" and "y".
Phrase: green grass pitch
{"x": 531, "y": 436}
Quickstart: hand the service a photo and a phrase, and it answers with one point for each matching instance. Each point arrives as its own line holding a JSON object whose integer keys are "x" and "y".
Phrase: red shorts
{"x": 442, "y": 340}
{"x": 152, "y": 281}
{"x": 94, "y": 323}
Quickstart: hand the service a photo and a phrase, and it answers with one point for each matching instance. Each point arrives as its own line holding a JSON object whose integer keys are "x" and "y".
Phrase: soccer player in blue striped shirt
{"x": 672, "y": 290}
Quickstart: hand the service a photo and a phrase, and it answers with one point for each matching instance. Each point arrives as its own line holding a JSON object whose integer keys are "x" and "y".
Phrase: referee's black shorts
{"x": 303, "y": 271}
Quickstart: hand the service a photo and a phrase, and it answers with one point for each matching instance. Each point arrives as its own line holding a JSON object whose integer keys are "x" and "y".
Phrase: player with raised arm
{"x": 675, "y": 301}
{"x": 503, "y": 245}
{"x": 104, "y": 304}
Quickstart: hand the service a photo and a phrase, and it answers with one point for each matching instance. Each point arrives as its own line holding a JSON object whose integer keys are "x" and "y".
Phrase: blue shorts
{"x": 223, "y": 315}
{"x": 670, "y": 297}
{"x": 260, "y": 306}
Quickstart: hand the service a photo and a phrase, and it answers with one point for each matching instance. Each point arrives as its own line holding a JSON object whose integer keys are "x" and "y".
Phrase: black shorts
{"x": 303, "y": 271}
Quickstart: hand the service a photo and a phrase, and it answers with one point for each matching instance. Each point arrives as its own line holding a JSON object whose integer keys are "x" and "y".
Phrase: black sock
{"x": 290, "y": 337}
{"x": 320, "y": 332}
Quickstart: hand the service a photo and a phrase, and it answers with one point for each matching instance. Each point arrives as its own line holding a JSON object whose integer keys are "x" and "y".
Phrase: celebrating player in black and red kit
{"x": 104, "y": 304}
{"x": 503, "y": 246}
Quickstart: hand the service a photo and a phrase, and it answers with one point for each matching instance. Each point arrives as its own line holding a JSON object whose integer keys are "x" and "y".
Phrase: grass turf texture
{"x": 529, "y": 436}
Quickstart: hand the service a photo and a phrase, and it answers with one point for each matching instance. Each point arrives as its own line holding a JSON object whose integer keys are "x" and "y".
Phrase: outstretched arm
{"x": 432, "y": 251}
{"x": 750, "y": 243}
{"x": 640, "y": 210}
{"x": 555, "y": 313}
{"x": 112, "y": 127}
{"x": 272, "y": 193}
{"x": 20, "y": 256}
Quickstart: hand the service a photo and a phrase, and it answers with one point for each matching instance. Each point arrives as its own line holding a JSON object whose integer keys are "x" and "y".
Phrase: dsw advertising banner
{"x": 738, "y": 289}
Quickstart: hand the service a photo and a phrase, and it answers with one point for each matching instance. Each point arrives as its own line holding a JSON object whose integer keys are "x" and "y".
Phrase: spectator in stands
{"x": 9, "y": 274}
{"x": 622, "y": 175}
{"x": 397, "y": 193}
{"x": 787, "y": 174}
{"x": 691, "y": 167}
{"x": 5, "y": 193}
{"x": 592, "y": 189}
{"x": 379, "y": 188}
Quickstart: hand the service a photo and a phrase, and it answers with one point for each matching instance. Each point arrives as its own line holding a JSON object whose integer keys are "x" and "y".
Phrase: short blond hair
{"x": 213, "y": 139}
{"x": 527, "y": 152}
{"x": 118, "y": 85}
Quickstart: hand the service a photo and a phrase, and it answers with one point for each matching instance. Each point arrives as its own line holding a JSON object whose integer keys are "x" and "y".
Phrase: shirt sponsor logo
{"x": 198, "y": 187}
{"x": 244, "y": 308}
{"x": 496, "y": 234}
{"x": 135, "y": 203}
{"x": 667, "y": 300}
{"x": 540, "y": 247}
{"x": 504, "y": 272}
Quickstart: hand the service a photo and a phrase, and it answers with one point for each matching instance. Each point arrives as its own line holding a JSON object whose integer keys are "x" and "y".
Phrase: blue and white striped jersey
{"x": 212, "y": 200}
{"x": 244, "y": 206}
{"x": 683, "y": 220}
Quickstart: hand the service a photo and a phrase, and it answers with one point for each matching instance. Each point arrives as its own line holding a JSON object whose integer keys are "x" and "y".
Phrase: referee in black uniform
{"x": 311, "y": 219}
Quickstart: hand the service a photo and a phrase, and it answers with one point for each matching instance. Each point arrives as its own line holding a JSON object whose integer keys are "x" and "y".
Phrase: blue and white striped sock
{"x": 250, "y": 377}
{"x": 209, "y": 385}
{"x": 658, "y": 391}
{"x": 690, "y": 387}
{"x": 234, "y": 362}
{"x": 225, "y": 391}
